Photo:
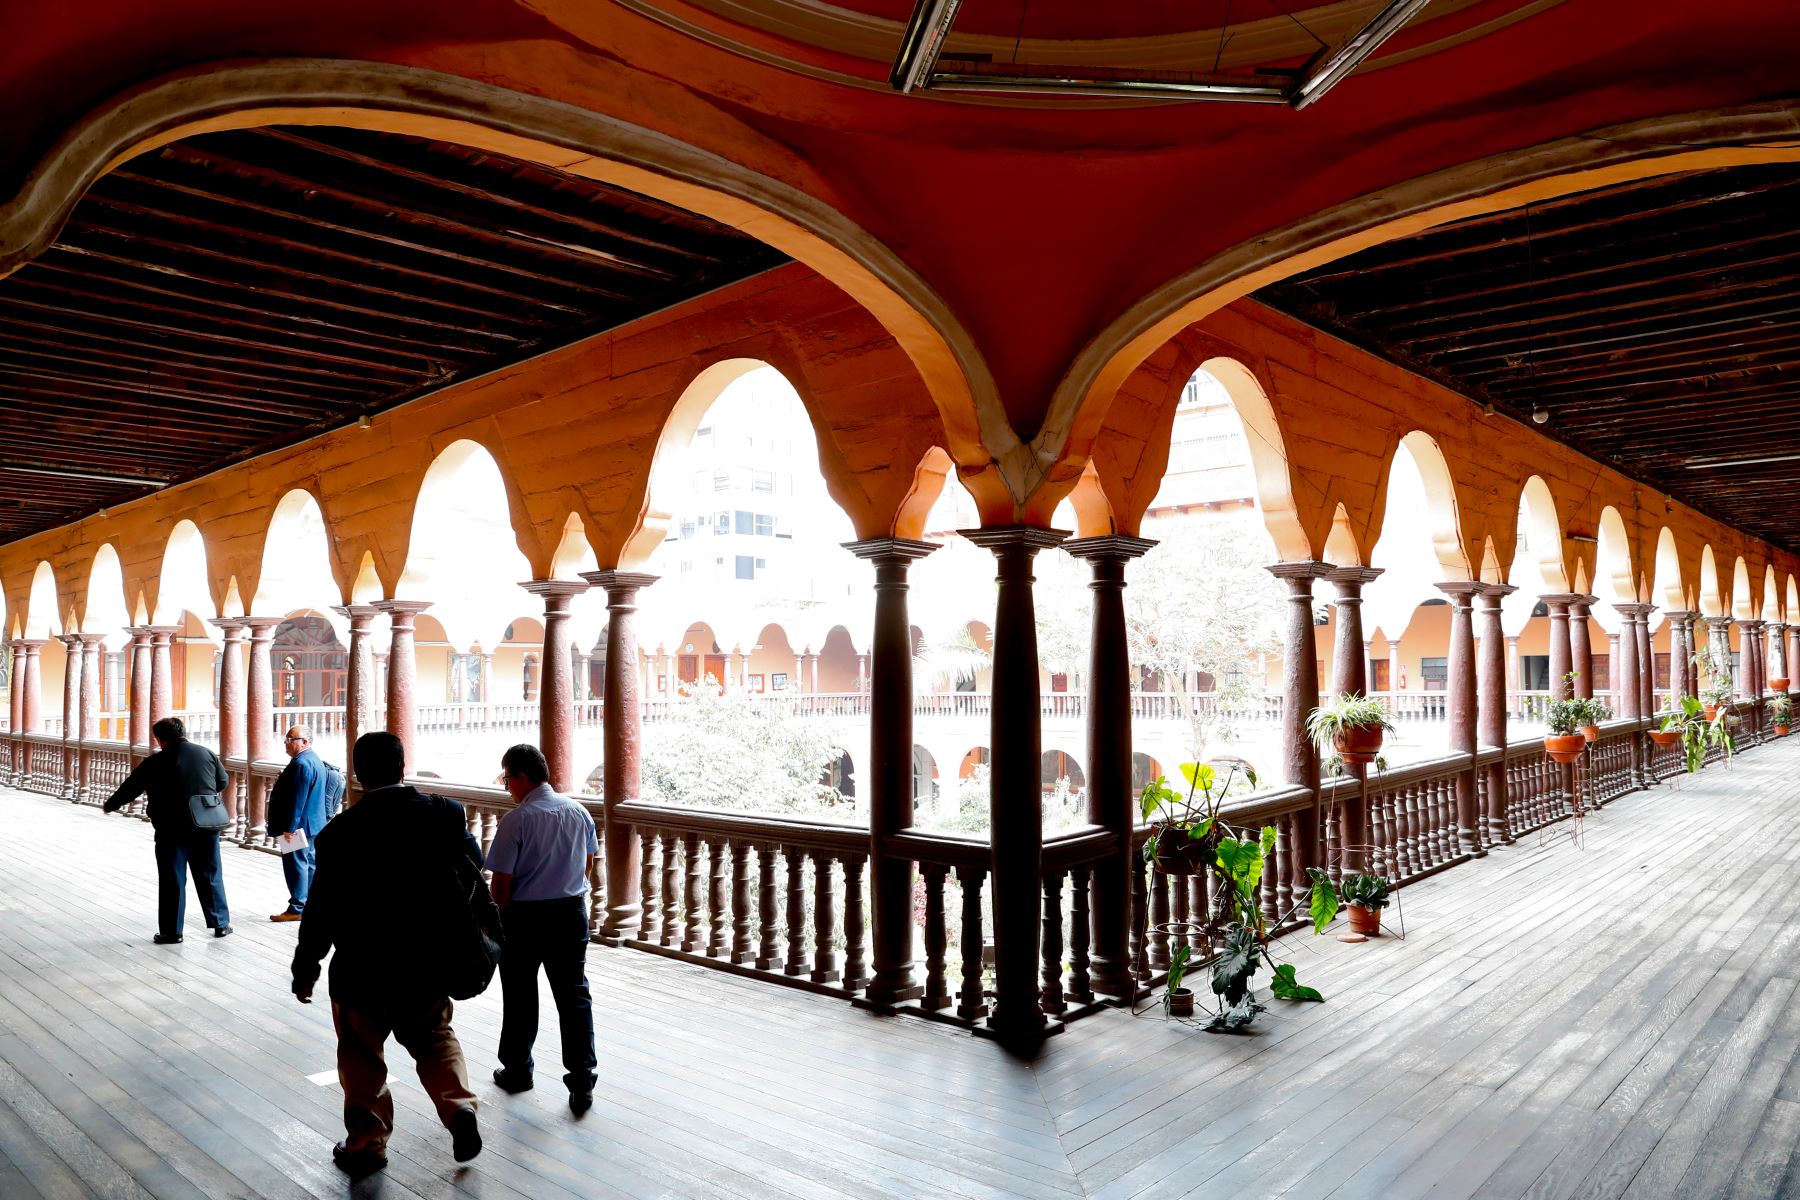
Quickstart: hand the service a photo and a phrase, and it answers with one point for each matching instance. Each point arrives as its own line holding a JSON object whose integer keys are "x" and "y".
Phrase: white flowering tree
{"x": 733, "y": 751}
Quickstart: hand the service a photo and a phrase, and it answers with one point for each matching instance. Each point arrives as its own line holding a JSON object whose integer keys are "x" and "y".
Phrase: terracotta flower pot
{"x": 1360, "y": 744}
{"x": 1590, "y": 732}
{"x": 1709, "y": 711}
{"x": 1181, "y": 1002}
{"x": 1364, "y": 920}
{"x": 1565, "y": 748}
{"x": 1179, "y": 854}
{"x": 1781, "y": 731}
{"x": 1667, "y": 739}
{"x": 1778, "y": 684}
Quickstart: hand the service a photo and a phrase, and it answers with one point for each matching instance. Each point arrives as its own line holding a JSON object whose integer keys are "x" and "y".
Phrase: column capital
{"x": 165, "y": 631}
{"x": 1634, "y": 611}
{"x": 1582, "y": 602}
{"x": 1117, "y": 546}
{"x": 1008, "y": 537}
{"x": 227, "y": 625}
{"x": 890, "y": 549}
{"x": 139, "y": 633}
{"x": 71, "y": 640}
{"x": 92, "y": 639}
{"x": 613, "y": 580}
{"x": 1751, "y": 624}
{"x": 1354, "y": 575}
{"x": 554, "y": 589}
{"x": 401, "y": 611}
{"x": 354, "y": 613}
{"x": 1464, "y": 590}
{"x": 1302, "y": 570}
{"x": 261, "y": 628}
{"x": 1496, "y": 591}
{"x": 31, "y": 645}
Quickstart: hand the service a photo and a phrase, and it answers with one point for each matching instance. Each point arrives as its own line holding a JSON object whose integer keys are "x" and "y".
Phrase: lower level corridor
{"x": 1613, "y": 1015}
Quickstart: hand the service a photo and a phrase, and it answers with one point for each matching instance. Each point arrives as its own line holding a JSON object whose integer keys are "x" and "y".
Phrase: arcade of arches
{"x": 344, "y": 389}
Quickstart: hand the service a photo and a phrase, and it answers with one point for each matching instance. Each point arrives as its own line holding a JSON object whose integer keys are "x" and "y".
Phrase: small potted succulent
{"x": 1564, "y": 742}
{"x": 1178, "y": 1001}
{"x": 1185, "y": 829}
{"x": 1593, "y": 711}
{"x": 1365, "y": 896}
{"x": 1352, "y": 725}
{"x": 1781, "y": 713}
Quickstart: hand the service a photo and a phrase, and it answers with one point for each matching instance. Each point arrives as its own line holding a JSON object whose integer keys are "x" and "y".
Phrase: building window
{"x": 1434, "y": 673}
{"x": 746, "y": 522}
{"x": 721, "y": 481}
{"x": 746, "y": 567}
{"x": 762, "y": 481}
{"x": 765, "y": 524}
{"x": 721, "y": 524}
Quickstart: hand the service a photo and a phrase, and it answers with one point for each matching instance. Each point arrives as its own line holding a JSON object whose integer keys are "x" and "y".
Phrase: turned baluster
{"x": 490, "y": 820}
{"x": 1266, "y": 893}
{"x": 1293, "y": 870}
{"x": 1159, "y": 921}
{"x": 1050, "y": 994}
{"x": 855, "y": 976}
{"x": 796, "y": 911}
{"x": 1431, "y": 803}
{"x": 937, "y": 937}
{"x": 1178, "y": 912}
{"x": 824, "y": 921}
{"x": 1081, "y": 989}
{"x": 971, "y": 1004}
{"x": 716, "y": 864}
{"x": 1409, "y": 829}
{"x": 1378, "y": 828}
{"x": 767, "y": 914}
{"x": 647, "y": 885}
{"x": 743, "y": 948}
{"x": 1334, "y": 842}
{"x": 691, "y": 929}
{"x": 1200, "y": 911}
{"x": 1140, "y": 918}
{"x": 671, "y": 895}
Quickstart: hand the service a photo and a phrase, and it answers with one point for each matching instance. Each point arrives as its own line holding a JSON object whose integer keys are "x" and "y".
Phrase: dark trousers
{"x": 552, "y": 934}
{"x": 178, "y": 851}
{"x": 298, "y": 869}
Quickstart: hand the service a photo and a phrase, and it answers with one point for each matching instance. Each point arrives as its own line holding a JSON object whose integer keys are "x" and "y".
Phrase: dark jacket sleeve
{"x": 135, "y": 785}
{"x": 281, "y": 814}
{"x": 221, "y": 777}
{"x": 319, "y": 921}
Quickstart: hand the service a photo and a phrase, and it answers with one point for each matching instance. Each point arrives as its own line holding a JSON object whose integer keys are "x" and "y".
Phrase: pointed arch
{"x": 1268, "y": 457}
{"x": 1540, "y": 534}
{"x": 1341, "y": 549}
{"x": 1668, "y": 588}
{"x": 104, "y": 610}
{"x": 43, "y": 608}
{"x": 1615, "y": 575}
{"x": 1771, "y": 597}
{"x": 1713, "y": 598}
{"x": 183, "y": 582}
{"x": 1743, "y": 601}
{"x": 463, "y": 553}
{"x": 296, "y": 569}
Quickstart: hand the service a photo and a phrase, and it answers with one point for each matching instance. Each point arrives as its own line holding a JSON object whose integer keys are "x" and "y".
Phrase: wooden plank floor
{"x": 1618, "y": 1018}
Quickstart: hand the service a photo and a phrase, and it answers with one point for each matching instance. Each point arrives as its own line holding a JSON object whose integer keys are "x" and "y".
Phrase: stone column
{"x": 1646, "y": 676}
{"x": 1562, "y": 655}
{"x": 556, "y": 685}
{"x": 1613, "y": 683}
{"x": 259, "y": 721}
{"x": 162, "y": 672}
{"x": 1300, "y": 695}
{"x": 93, "y": 664}
{"x": 812, "y": 672}
{"x": 1718, "y": 649}
{"x": 1491, "y": 703}
{"x": 16, "y": 724}
{"x": 622, "y": 721}
{"x": 1750, "y": 641}
{"x": 1350, "y": 674}
{"x": 71, "y": 715}
{"x": 34, "y": 695}
{"x": 1793, "y": 654}
{"x": 890, "y": 774}
{"x": 1514, "y": 668}
{"x": 361, "y": 714}
{"x": 1461, "y": 704}
{"x": 1109, "y": 799}
{"x": 1775, "y": 657}
{"x": 1631, "y": 697}
{"x": 140, "y": 690}
{"x": 402, "y": 672}
{"x": 1690, "y": 643}
{"x": 1581, "y": 647}
{"x": 1017, "y": 802}
{"x": 580, "y": 678}
{"x": 233, "y": 726}
{"x": 1680, "y": 650}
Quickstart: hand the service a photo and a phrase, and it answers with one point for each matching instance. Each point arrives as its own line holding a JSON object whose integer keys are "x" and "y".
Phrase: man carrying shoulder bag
{"x": 189, "y": 806}
{"x": 399, "y": 901}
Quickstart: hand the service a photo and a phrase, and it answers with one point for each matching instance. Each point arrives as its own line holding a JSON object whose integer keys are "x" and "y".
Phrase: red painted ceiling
{"x": 1037, "y": 226}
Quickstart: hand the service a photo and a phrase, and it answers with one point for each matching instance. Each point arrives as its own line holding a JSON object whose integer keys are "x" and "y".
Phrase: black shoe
{"x": 357, "y": 1163}
{"x": 512, "y": 1082}
{"x": 165, "y": 939}
{"x": 580, "y": 1102}
{"x": 222, "y": 931}
{"x": 465, "y": 1135}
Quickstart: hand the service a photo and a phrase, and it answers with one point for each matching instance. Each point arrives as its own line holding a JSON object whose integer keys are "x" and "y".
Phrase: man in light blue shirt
{"x": 542, "y": 856}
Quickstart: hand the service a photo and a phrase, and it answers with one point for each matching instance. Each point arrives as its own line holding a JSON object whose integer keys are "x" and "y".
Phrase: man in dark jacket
{"x": 384, "y": 897}
{"x": 297, "y": 804}
{"x": 177, "y": 771}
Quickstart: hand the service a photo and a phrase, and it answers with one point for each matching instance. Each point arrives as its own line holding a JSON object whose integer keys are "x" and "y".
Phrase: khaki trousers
{"x": 423, "y": 1027}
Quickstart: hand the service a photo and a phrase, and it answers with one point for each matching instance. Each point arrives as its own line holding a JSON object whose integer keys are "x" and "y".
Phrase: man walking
{"x": 384, "y": 896}
{"x": 178, "y": 771}
{"x": 541, "y": 856}
{"x": 298, "y": 806}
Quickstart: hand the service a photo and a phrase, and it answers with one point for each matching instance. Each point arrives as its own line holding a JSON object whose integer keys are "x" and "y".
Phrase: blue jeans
{"x": 298, "y": 867}
{"x": 176, "y": 852}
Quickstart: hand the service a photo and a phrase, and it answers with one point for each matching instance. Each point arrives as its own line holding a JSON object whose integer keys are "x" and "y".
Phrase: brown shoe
{"x": 290, "y": 915}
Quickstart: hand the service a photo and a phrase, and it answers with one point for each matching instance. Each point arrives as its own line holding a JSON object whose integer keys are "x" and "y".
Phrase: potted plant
{"x": 1781, "y": 712}
{"x": 1778, "y": 684}
{"x": 1352, "y": 725}
{"x": 1593, "y": 711}
{"x": 1564, "y": 742}
{"x": 1178, "y": 1001}
{"x": 1699, "y": 732}
{"x": 1365, "y": 896}
{"x": 1670, "y": 733}
{"x": 1184, "y": 829}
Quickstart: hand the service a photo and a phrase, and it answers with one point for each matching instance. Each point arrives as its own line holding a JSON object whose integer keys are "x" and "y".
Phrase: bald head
{"x": 297, "y": 740}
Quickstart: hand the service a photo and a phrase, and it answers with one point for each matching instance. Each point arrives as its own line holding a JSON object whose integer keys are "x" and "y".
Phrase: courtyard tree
{"x": 734, "y": 751}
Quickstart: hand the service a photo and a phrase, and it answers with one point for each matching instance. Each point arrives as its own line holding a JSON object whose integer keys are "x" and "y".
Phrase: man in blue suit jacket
{"x": 297, "y": 802}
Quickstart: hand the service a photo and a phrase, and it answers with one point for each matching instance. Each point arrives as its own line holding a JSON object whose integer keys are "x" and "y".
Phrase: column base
{"x": 620, "y": 923}
{"x": 886, "y": 993}
{"x": 1018, "y": 1035}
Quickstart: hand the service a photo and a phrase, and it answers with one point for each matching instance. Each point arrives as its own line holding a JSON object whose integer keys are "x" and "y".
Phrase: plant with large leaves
{"x": 1240, "y": 862}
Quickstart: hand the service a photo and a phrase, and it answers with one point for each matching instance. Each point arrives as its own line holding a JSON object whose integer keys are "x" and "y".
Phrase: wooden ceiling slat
{"x": 74, "y": 353}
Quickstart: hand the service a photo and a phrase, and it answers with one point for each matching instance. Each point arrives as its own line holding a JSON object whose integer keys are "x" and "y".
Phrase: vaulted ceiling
{"x": 238, "y": 292}
{"x": 1655, "y": 325}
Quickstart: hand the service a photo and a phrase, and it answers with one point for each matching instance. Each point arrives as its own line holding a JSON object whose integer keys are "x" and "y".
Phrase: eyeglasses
{"x": 294, "y": 738}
